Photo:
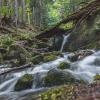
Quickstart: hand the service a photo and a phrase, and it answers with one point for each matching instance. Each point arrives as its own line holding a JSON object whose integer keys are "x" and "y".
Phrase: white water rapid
{"x": 84, "y": 69}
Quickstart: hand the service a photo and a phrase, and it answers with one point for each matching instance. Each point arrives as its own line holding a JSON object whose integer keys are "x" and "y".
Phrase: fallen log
{"x": 16, "y": 69}
{"x": 75, "y": 17}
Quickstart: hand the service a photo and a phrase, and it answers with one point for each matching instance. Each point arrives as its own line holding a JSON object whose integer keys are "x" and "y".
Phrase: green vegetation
{"x": 97, "y": 77}
{"x": 64, "y": 65}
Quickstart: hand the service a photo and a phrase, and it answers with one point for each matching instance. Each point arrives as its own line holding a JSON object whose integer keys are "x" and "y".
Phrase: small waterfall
{"x": 64, "y": 41}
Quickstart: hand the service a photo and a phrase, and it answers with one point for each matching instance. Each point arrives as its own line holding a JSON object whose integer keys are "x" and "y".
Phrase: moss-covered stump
{"x": 64, "y": 65}
{"x": 25, "y": 82}
{"x": 58, "y": 77}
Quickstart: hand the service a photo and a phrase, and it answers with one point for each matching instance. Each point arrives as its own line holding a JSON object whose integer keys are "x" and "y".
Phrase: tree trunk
{"x": 0, "y": 8}
{"x": 16, "y": 11}
{"x": 23, "y": 11}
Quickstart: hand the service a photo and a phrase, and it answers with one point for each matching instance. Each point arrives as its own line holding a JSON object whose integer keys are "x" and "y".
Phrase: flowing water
{"x": 84, "y": 69}
{"x": 64, "y": 41}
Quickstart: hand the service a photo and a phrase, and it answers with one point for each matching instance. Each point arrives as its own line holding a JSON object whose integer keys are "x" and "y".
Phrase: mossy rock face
{"x": 49, "y": 57}
{"x": 25, "y": 82}
{"x": 64, "y": 65}
{"x": 58, "y": 77}
{"x": 37, "y": 59}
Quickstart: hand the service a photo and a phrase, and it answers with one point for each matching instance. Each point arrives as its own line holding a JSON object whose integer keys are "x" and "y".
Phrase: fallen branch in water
{"x": 16, "y": 69}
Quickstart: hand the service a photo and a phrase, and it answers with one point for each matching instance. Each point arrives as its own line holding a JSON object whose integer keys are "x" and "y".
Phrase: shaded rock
{"x": 97, "y": 62}
{"x": 25, "y": 82}
{"x": 1, "y": 58}
{"x": 2, "y": 50}
{"x": 58, "y": 42}
{"x": 58, "y": 77}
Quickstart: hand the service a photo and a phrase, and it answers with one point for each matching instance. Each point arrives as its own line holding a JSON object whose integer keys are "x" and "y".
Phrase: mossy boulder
{"x": 37, "y": 59}
{"x": 25, "y": 82}
{"x": 58, "y": 77}
{"x": 64, "y": 65}
{"x": 50, "y": 57}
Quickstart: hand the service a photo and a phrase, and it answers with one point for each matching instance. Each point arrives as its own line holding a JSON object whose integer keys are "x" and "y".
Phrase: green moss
{"x": 50, "y": 57}
{"x": 6, "y": 40}
{"x": 64, "y": 65}
{"x": 23, "y": 36}
{"x": 66, "y": 26}
{"x": 97, "y": 77}
{"x": 60, "y": 93}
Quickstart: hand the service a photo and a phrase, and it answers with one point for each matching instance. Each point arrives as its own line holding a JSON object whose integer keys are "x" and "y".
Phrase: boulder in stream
{"x": 25, "y": 82}
{"x": 58, "y": 77}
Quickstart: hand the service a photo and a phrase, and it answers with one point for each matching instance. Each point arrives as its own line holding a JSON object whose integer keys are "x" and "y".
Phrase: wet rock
{"x": 79, "y": 55}
{"x": 97, "y": 62}
{"x": 25, "y": 82}
{"x": 64, "y": 65}
{"x": 58, "y": 77}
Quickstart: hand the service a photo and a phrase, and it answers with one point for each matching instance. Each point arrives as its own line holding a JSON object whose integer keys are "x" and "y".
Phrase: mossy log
{"x": 83, "y": 13}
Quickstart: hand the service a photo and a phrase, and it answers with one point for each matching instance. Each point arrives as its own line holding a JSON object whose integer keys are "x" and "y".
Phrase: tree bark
{"x": 16, "y": 69}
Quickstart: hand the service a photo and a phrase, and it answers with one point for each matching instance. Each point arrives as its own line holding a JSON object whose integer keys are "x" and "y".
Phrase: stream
{"x": 84, "y": 69}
